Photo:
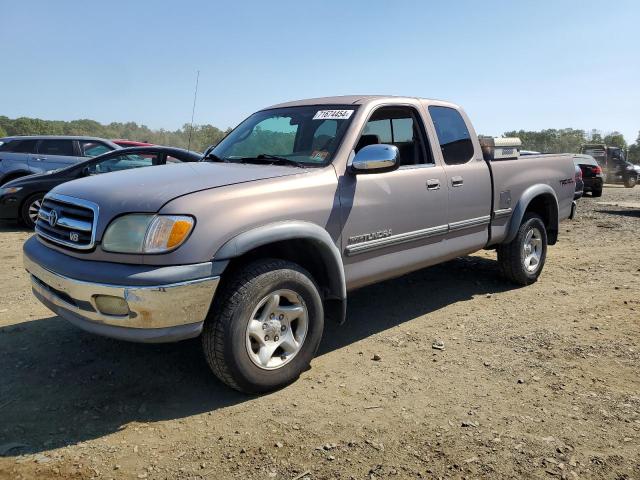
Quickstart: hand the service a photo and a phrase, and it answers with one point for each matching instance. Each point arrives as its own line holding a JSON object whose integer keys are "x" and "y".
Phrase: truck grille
{"x": 67, "y": 221}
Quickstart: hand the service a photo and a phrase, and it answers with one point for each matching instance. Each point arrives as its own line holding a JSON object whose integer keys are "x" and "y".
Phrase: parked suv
{"x": 24, "y": 155}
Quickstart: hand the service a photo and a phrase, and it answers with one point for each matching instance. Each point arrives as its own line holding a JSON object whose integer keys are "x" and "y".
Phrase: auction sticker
{"x": 332, "y": 114}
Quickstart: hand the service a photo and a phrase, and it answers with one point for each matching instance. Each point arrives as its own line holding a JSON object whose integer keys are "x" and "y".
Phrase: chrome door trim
{"x": 469, "y": 223}
{"x": 395, "y": 239}
{"x": 400, "y": 238}
{"x": 502, "y": 212}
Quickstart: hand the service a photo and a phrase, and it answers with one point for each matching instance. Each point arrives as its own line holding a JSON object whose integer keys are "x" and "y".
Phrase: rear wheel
{"x": 264, "y": 327}
{"x": 522, "y": 259}
{"x": 30, "y": 209}
{"x": 596, "y": 192}
{"x": 630, "y": 181}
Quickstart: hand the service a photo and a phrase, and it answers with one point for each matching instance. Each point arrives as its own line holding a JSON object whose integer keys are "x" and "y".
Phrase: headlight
{"x": 142, "y": 233}
{"x": 9, "y": 190}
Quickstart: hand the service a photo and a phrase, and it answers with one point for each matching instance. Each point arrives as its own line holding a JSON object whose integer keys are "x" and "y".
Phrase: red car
{"x": 130, "y": 143}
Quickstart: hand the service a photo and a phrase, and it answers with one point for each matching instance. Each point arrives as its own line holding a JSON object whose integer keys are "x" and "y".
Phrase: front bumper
{"x": 156, "y": 313}
{"x": 593, "y": 182}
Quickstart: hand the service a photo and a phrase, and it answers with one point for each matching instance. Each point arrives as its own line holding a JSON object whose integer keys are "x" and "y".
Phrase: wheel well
{"x": 29, "y": 196}
{"x": 300, "y": 251}
{"x": 13, "y": 176}
{"x": 545, "y": 206}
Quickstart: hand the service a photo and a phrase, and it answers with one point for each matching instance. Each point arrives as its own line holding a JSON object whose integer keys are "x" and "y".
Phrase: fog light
{"x": 109, "y": 305}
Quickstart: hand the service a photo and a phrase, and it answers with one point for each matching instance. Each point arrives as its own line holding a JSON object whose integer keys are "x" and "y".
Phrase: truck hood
{"x": 148, "y": 189}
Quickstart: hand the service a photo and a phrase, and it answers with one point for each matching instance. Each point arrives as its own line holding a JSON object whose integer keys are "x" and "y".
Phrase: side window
{"x": 92, "y": 148}
{"x": 399, "y": 126}
{"x": 56, "y": 147}
{"x": 123, "y": 162}
{"x": 453, "y": 135}
{"x": 171, "y": 159}
{"x": 20, "y": 146}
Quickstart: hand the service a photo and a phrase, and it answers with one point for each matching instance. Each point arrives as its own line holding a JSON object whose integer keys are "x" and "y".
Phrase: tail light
{"x": 578, "y": 174}
{"x": 597, "y": 169}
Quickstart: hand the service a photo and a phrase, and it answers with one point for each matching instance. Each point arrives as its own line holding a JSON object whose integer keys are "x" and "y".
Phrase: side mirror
{"x": 84, "y": 172}
{"x": 376, "y": 158}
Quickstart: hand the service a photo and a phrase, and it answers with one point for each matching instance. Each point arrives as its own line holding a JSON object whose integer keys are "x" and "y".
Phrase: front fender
{"x": 294, "y": 230}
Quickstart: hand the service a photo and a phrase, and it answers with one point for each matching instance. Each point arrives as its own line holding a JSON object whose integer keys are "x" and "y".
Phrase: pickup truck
{"x": 253, "y": 247}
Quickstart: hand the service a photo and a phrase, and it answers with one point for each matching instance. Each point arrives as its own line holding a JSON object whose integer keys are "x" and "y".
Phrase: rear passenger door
{"x": 54, "y": 153}
{"x": 14, "y": 157}
{"x": 393, "y": 222}
{"x": 468, "y": 182}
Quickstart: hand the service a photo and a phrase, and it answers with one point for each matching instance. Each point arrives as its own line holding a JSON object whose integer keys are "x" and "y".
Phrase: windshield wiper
{"x": 272, "y": 159}
{"x": 212, "y": 157}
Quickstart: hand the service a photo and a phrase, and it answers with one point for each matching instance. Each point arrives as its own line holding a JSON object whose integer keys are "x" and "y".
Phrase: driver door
{"x": 393, "y": 222}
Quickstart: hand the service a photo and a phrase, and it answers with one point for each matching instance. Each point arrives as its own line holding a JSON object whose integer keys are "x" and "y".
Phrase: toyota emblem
{"x": 53, "y": 218}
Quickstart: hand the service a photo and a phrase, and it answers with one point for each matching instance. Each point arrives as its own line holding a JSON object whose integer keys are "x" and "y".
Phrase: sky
{"x": 510, "y": 64}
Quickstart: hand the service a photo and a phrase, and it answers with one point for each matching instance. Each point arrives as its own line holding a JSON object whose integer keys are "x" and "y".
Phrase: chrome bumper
{"x": 156, "y": 313}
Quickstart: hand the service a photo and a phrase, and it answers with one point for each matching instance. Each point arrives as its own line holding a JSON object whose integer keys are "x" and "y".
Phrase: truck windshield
{"x": 304, "y": 136}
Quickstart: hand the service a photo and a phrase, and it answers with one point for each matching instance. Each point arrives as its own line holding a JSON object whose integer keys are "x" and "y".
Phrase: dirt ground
{"x": 535, "y": 382}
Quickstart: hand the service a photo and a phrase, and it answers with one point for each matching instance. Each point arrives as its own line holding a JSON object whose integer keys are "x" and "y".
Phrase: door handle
{"x": 433, "y": 184}
{"x": 38, "y": 159}
{"x": 457, "y": 181}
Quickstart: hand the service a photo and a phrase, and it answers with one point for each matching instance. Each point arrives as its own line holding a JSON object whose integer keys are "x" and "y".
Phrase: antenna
{"x": 193, "y": 110}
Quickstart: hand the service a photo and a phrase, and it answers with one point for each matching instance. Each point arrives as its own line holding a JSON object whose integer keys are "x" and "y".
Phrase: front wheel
{"x": 264, "y": 326}
{"x": 522, "y": 259}
{"x": 630, "y": 181}
{"x": 30, "y": 209}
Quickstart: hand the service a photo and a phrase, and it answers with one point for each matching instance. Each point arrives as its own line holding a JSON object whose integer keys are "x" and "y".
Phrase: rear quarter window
{"x": 453, "y": 135}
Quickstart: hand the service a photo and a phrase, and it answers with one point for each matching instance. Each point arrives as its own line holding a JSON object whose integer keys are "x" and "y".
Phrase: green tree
{"x": 565, "y": 140}
{"x": 615, "y": 139}
{"x": 634, "y": 151}
{"x": 595, "y": 137}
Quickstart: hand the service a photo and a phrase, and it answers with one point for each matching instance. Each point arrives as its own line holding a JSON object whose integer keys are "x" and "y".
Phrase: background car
{"x": 21, "y": 198}
{"x": 614, "y": 163}
{"x": 579, "y": 191}
{"x": 24, "y": 155}
{"x": 130, "y": 143}
{"x": 592, "y": 174}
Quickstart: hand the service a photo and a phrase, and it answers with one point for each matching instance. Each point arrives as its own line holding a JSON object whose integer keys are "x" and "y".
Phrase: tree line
{"x": 201, "y": 137}
{"x": 569, "y": 140}
{"x": 564, "y": 140}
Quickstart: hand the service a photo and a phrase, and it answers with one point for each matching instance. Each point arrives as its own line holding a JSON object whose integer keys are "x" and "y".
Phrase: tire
{"x": 512, "y": 257}
{"x": 234, "y": 351}
{"x": 29, "y": 209}
{"x": 596, "y": 192}
{"x": 630, "y": 181}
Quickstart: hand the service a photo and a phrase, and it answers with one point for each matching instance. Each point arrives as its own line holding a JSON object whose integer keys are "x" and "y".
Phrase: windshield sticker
{"x": 332, "y": 114}
{"x": 319, "y": 154}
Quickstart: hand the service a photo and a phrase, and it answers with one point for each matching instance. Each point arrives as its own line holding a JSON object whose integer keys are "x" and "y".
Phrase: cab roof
{"x": 354, "y": 100}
